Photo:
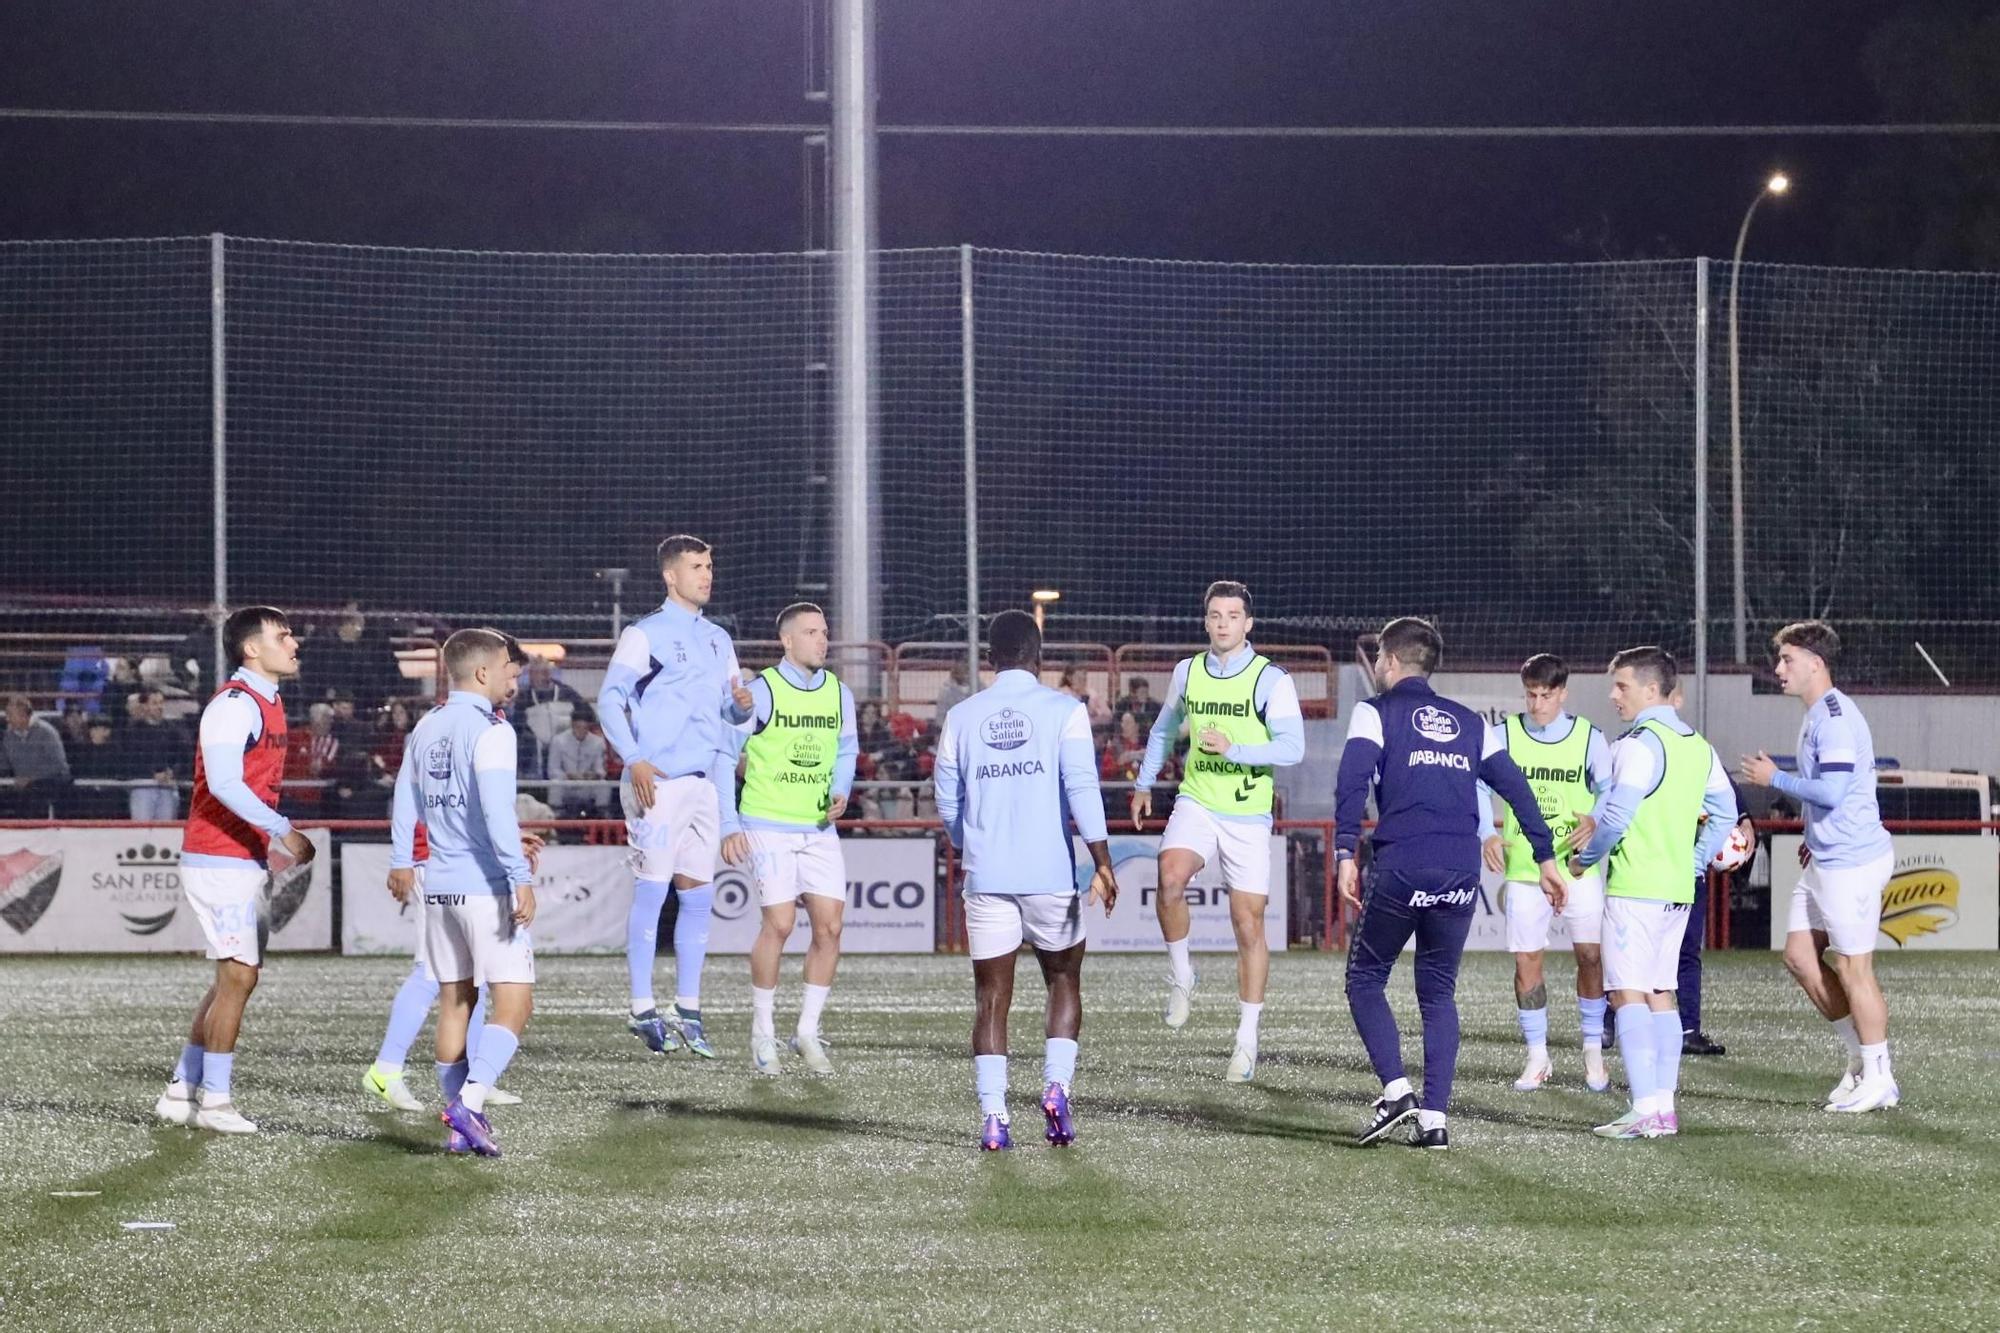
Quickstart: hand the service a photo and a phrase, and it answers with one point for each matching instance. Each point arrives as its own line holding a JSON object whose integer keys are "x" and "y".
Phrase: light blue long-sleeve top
{"x": 230, "y": 725}
{"x": 844, "y": 757}
{"x": 1010, "y": 761}
{"x": 458, "y": 777}
{"x": 1277, "y": 703}
{"x": 1835, "y": 784}
{"x": 666, "y": 699}
{"x": 1637, "y": 762}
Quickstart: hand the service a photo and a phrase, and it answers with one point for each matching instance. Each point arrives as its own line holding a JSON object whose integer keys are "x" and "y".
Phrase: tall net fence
{"x": 460, "y": 437}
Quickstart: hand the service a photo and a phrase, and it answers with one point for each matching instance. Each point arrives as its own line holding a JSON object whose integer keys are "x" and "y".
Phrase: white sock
{"x": 763, "y": 1002}
{"x": 1844, "y": 1028}
{"x": 1430, "y": 1120}
{"x": 1180, "y": 963}
{"x": 1538, "y": 1051}
{"x": 390, "y": 1071}
{"x": 810, "y": 1007}
{"x": 1247, "y": 1015}
{"x": 1875, "y": 1060}
{"x": 1593, "y": 1043}
{"x": 691, "y": 1003}
{"x": 474, "y": 1096}
{"x": 641, "y": 1005}
{"x": 1400, "y": 1088}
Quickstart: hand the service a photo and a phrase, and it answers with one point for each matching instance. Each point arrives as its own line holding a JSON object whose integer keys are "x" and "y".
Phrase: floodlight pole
{"x": 856, "y": 547}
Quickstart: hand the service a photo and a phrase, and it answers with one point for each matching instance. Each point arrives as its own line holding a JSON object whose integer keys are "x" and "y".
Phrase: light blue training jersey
{"x": 666, "y": 699}
{"x": 1835, "y": 784}
{"x": 458, "y": 777}
{"x": 1010, "y": 761}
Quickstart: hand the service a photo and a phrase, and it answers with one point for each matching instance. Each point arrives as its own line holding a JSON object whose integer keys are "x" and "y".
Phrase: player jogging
{"x": 239, "y": 765}
{"x": 1566, "y": 762}
{"x": 1425, "y": 757}
{"x": 1010, "y": 759}
{"x": 1669, "y": 793}
{"x": 1847, "y": 860}
{"x": 419, "y": 991}
{"x": 458, "y": 777}
{"x": 670, "y": 695}
{"x": 798, "y": 769}
{"x": 1243, "y": 720}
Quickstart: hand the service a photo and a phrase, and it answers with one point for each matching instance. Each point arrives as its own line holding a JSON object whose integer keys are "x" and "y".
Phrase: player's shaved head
{"x": 678, "y": 545}
{"x": 1413, "y": 642}
{"x": 1014, "y": 642}
{"x": 794, "y": 611}
{"x": 470, "y": 649}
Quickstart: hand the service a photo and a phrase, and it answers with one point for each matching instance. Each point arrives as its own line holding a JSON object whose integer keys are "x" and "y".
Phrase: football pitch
{"x": 648, "y": 1192}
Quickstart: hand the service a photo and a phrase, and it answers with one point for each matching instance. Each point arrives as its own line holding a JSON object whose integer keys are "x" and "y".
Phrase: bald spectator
{"x": 32, "y": 753}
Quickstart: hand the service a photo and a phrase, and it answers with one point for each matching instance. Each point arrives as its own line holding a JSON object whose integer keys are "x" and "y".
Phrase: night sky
{"x": 1337, "y": 62}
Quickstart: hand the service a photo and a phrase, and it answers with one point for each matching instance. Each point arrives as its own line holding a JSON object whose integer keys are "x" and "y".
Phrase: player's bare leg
{"x": 993, "y": 996}
{"x": 1253, "y": 973}
{"x": 1589, "y": 989}
{"x": 220, "y": 1020}
{"x": 822, "y": 958}
{"x": 766, "y": 957}
{"x": 1531, "y": 1004}
{"x": 1875, "y": 1087}
{"x": 1177, "y": 865}
{"x": 1062, "y": 971}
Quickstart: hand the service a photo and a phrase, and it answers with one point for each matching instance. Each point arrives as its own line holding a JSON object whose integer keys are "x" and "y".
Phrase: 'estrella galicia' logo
{"x": 437, "y": 760}
{"x": 1435, "y": 723}
{"x": 1007, "y": 730}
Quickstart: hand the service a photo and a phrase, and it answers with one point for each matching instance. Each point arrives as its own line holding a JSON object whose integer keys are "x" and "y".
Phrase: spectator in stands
{"x": 1076, "y": 684}
{"x": 75, "y": 733}
{"x": 98, "y": 760}
{"x": 121, "y": 691}
{"x": 355, "y": 658}
{"x": 32, "y": 751}
{"x": 385, "y": 749}
{"x": 871, "y": 729}
{"x": 578, "y": 753}
{"x": 1125, "y": 752}
{"x": 1140, "y": 703}
{"x": 311, "y": 762}
{"x": 541, "y": 712}
{"x": 156, "y": 752}
{"x": 956, "y": 688}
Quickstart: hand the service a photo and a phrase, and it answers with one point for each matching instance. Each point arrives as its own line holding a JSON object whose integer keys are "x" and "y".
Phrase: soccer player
{"x": 671, "y": 694}
{"x": 1009, "y": 760}
{"x": 1243, "y": 718}
{"x": 1668, "y": 793}
{"x": 239, "y": 764}
{"x": 1566, "y": 762}
{"x": 458, "y": 777}
{"x": 1847, "y": 860}
{"x": 1425, "y": 756}
{"x": 798, "y": 770}
{"x": 419, "y": 991}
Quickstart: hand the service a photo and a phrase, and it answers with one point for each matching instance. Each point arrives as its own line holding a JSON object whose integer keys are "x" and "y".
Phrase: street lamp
{"x": 1043, "y": 598}
{"x": 1777, "y": 185}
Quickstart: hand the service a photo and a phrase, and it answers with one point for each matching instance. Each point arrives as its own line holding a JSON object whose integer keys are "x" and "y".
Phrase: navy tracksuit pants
{"x": 1436, "y": 906}
{"x": 1689, "y": 995}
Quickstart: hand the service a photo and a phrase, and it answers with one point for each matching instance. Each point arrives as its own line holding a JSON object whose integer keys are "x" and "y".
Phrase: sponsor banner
{"x": 891, "y": 901}
{"x": 1943, "y": 894}
{"x": 105, "y": 890}
{"x": 1134, "y": 926}
{"x": 584, "y": 894}
{"x": 582, "y": 897}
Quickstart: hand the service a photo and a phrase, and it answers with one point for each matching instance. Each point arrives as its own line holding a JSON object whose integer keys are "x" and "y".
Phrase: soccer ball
{"x": 1737, "y": 848}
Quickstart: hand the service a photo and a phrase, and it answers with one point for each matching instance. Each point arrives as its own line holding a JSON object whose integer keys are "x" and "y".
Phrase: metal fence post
{"x": 1701, "y": 494}
{"x": 968, "y": 409}
{"x": 218, "y": 374}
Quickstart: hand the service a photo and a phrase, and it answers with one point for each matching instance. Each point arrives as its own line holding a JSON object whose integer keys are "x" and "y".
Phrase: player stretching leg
{"x": 458, "y": 776}
{"x": 798, "y": 769}
{"x": 1669, "y": 793}
{"x": 1243, "y": 717}
{"x": 419, "y": 991}
{"x": 1425, "y": 756}
{"x": 1847, "y": 858}
{"x": 1566, "y": 761}
{"x": 1009, "y": 760}
{"x": 239, "y": 764}
{"x": 671, "y": 694}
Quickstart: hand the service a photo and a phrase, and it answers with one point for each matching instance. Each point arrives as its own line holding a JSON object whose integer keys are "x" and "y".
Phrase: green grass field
{"x": 641, "y": 1192}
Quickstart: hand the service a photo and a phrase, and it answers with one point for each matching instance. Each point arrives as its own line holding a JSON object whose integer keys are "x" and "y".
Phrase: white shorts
{"x": 785, "y": 865}
{"x": 1244, "y": 846}
{"x": 1843, "y": 901}
{"x": 472, "y": 937}
{"x": 996, "y": 923}
{"x": 1529, "y": 914}
{"x": 233, "y": 907}
{"x": 1642, "y": 943}
{"x": 679, "y": 835}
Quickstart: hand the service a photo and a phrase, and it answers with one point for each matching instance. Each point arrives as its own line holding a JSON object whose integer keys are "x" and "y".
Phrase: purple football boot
{"x": 1055, "y": 1105}
{"x": 462, "y": 1119}
{"x": 457, "y": 1144}
{"x": 994, "y": 1138}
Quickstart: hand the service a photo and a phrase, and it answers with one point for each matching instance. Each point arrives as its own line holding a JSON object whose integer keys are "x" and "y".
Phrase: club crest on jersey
{"x": 1435, "y": 723}
{"x": 437, "y": 760}
{"x": 1006, "y": 730}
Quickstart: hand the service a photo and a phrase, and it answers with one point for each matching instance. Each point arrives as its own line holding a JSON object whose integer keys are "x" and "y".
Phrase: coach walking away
{"x": 1424, "y": 756}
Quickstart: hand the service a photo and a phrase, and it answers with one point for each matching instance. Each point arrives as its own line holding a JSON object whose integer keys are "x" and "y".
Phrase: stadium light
{"x": 1778, "y": 185}
{"x": 1043, "y": 598}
